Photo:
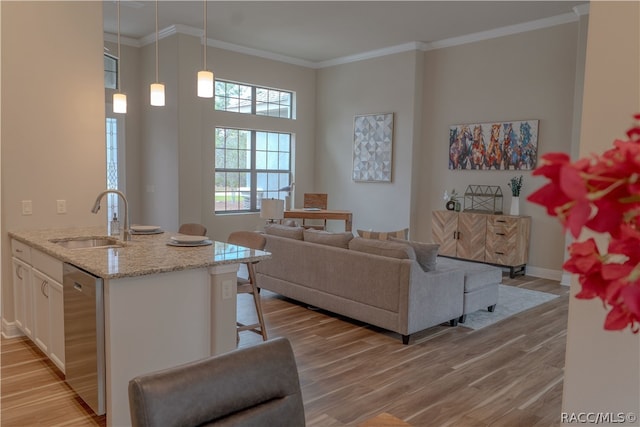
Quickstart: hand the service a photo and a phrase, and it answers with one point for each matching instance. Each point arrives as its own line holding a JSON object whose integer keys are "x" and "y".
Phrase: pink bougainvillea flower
{"x": 600, "y": 193}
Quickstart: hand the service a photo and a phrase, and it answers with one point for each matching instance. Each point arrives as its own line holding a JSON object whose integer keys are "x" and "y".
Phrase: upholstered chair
{"x": 252, "y": 386}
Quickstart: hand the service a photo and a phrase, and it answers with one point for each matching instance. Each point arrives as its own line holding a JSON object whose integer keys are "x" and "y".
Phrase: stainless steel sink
{"x": 89, "y": 242}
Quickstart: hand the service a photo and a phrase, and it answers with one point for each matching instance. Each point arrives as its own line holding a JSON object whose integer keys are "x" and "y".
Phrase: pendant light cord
{"x": 119, "y": 57}
{"x": 205, "y": 35}
{"x": 156, "y": 41}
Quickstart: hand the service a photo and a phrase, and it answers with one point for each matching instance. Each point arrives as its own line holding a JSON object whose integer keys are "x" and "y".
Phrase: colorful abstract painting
{"x": 494, "y": 145}
{"x": 372, "y": 147}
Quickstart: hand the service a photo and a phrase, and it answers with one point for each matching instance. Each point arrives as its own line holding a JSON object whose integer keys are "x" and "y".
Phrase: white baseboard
{"x": 10, "y": 330}
{"x": 544, "y": 273}
{"x": 566, "y": 278}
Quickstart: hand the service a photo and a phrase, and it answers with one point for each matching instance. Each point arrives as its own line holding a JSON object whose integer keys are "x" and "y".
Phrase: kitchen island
{"x": 163, "y": 305}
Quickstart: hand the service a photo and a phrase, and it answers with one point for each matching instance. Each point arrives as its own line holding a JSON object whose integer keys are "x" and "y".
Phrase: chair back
{"x": 315, "y": 200}
{"x": 252, "y": 386}
{"x": 193, "y": 229}
{"x": 248, "y": 239}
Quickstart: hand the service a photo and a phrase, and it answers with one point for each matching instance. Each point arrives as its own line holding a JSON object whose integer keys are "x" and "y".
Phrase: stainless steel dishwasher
{"x": 84, "y": 336}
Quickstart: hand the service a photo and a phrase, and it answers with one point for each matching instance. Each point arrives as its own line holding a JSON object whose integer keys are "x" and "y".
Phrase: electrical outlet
{"x": 27, "y": 207}
{"x": 227, "y": 289}
{"x": 61, "y": 206}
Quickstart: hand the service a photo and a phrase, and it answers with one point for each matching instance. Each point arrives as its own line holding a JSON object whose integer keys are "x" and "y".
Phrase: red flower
{"x": 602, "y": 194}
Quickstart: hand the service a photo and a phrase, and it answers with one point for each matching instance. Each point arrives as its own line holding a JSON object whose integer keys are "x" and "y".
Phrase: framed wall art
{"x": 372, "y": 147}
{"x": 509, "y": 145}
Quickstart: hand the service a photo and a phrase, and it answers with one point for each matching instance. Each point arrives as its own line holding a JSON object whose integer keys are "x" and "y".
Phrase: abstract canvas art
{"x": 494, "y": 146}
{"x": 372, "y": 147}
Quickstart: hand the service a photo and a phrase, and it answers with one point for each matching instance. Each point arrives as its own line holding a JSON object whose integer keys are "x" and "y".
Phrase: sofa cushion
{"x": 426, "y": 253}
{"x": 340, "y": 240}
{"x": 476, "y": 275}
{"x": 384, "y": 235}
{"x": 284, "y": 231}
{"x": 382, "y": 247}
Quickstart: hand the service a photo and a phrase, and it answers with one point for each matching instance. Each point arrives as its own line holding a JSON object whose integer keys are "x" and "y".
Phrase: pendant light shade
{"x": 205, "y": 77}
{"x": 156, "y": 93}
{"x": 205, "y": 84}
{"x": 119, "y": 99}
{"x": 119, "y": 103}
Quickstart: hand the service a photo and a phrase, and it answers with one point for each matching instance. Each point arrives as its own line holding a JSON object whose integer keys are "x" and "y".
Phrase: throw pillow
{"x": 340, "y": 240}
{"x": 284, "y": 231}
{"x": 382, "y": 247}
{"x": 384, "y": 235}
{"x": 426, "y": 253}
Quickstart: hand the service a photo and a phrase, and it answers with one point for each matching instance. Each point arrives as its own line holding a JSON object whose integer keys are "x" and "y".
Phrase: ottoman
{"x": 480, "y": 284}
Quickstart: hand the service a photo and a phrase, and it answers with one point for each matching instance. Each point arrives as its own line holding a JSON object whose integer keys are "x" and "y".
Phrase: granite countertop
{"x": 144, "y": 254}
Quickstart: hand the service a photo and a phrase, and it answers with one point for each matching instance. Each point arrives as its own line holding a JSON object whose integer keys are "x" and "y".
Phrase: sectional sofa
{"x": 380, "y": 282}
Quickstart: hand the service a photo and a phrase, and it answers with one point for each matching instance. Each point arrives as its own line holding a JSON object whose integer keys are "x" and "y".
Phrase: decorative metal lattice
{"x": 483, "y": 198}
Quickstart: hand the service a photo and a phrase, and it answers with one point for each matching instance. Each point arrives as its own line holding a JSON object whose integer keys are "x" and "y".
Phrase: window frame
{"x": 253, "y": 171}
{"x": 253, "y": 107}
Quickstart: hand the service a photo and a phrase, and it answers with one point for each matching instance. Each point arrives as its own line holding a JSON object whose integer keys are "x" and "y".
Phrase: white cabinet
{"x": 21, "y": 265}
{"x": 39, "y": 306}
{"x": 22, "y": 296}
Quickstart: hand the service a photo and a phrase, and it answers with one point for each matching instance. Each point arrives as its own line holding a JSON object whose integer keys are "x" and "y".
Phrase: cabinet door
{"x": 42, "y": 325}
{"x": 472, "y": 230}
{"x": 444, "y": 227}
{"x": 56, "y": 316}
{"x": 22, "y": 296}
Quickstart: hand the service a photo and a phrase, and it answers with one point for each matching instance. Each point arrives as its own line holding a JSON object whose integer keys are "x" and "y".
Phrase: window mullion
{"x": 254, "y": 174}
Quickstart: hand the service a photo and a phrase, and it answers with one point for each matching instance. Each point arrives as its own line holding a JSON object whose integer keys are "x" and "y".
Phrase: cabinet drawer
{"x": 50, "y": 266}
{"x": 21, "y": 251}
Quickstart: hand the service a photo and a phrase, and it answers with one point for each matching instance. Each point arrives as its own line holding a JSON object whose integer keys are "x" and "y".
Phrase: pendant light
{"x": 119, "y": 98}
{"x": 157, "y": 88}
{"x": 205, "y": 77}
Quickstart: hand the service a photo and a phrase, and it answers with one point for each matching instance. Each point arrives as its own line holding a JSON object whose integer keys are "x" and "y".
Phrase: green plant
{"x": 516, "y": 186}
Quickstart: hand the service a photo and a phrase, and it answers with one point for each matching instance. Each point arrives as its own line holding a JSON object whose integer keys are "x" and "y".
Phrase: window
{"x": 112, "y": 166}
{"x": 260, "y": 101}
{"x": 110, "y": 72}
{"x": 250, "y": 165}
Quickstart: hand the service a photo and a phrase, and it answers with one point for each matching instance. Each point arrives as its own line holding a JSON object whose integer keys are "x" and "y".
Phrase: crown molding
{"x": 260, "y": 53}
{"x": 127, "y": 41}
{"x": 371, "y": 54}
{"x": 565, "y": 18}
{"x": 504, "y": 31}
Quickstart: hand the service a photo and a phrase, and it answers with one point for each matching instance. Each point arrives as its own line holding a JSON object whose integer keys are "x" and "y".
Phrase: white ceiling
{"x": 327, "y": 30}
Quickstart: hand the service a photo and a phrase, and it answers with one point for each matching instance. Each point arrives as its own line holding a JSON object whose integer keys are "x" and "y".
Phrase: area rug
{"x": 511, "y": 300}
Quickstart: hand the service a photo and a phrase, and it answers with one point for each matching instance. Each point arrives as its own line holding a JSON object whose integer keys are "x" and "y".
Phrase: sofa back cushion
{"x": 426, "y": 253}
{"x": 284, "y": 231}
{"x": 382, "y": 247}
{"x": 339, "y": 240}
{"x": 384, "y": 235}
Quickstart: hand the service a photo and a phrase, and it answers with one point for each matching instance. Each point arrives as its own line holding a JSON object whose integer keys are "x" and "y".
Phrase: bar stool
{"x": 253, "y": 240}
{"x": 193, "y": 229}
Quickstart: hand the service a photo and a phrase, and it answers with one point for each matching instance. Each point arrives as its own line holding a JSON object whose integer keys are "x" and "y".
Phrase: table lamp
{"x": 272, "y": 209}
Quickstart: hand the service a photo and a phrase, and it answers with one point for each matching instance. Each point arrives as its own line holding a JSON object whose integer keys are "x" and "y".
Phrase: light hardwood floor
{"x": 507, "y": 374}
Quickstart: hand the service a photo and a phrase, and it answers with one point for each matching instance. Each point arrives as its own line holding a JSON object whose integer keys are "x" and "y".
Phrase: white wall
{"x": 602, "y": 371}
{"x": 176, "y": 150}
{"x": 523, "y": 76}
{"x": 380, "y": 85}
{"x": 53, "y": 133}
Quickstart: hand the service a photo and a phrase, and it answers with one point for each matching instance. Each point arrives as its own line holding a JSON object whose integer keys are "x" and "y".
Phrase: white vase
{"x": 515, "y": 206}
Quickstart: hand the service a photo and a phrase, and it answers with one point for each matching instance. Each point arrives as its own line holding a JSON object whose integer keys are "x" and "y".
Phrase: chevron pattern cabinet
{"x": 494, "y": 239}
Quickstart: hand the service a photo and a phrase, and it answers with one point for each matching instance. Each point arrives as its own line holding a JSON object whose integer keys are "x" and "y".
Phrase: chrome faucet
{"x": 96, "y": 208}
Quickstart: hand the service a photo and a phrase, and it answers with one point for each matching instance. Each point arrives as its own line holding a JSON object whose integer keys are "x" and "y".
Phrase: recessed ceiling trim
{"x": 260, "y": 53}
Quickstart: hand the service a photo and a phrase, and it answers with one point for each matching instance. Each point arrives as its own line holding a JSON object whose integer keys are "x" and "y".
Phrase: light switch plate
{"x": 27, "y": 207}
{"x": 61, "y": 206}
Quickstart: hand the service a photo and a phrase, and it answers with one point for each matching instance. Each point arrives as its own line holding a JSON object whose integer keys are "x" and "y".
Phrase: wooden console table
{"x": 323, "y": 214}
